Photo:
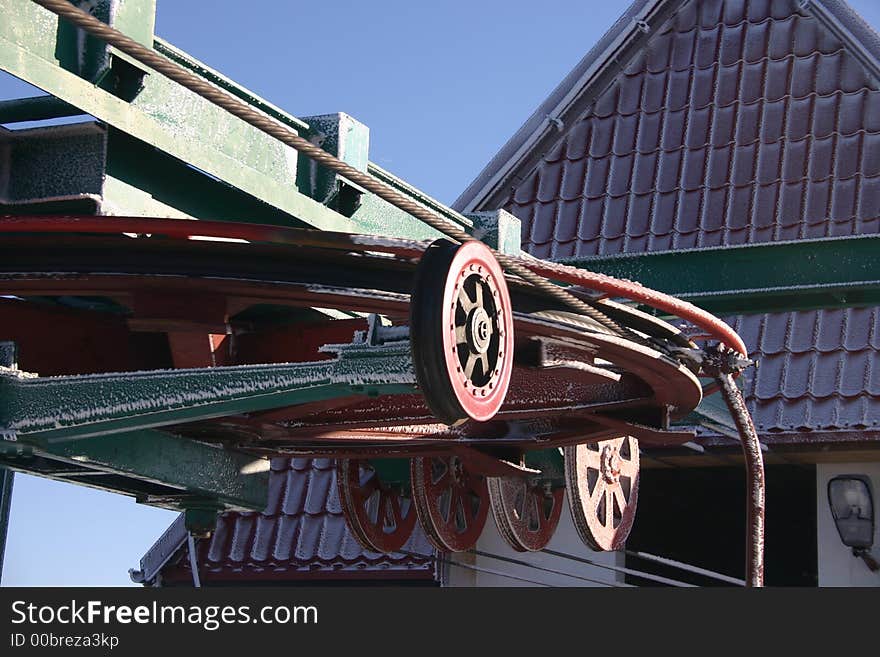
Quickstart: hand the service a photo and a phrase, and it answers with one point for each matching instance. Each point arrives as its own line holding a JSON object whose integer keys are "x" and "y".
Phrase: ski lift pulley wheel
{"x": 461, "y": 331}
{"x": 379, "y": 516}
{"x": 452, "y": 502}
{"x": 602, "y": 480}
{"x": 526, "y": 511}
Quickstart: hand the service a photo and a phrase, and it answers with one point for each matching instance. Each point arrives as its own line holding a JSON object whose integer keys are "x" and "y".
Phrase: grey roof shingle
{"x": 739, "y": 121}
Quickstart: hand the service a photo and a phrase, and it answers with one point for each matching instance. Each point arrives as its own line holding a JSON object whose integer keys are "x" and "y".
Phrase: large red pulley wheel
{"x": 452, "y": 502}
{"x": 526, "y": 511}
{"x": 379, "y": 516}
{"x": 602, "y": 480}
{"x": 461, "y": 331}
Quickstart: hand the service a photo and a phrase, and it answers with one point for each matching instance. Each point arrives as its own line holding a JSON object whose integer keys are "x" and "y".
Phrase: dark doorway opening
{"x": 697, "y": 516}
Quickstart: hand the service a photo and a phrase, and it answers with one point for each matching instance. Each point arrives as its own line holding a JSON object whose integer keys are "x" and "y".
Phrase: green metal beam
{"x": 201, "y": 472}
{"x": 33, "y": 409}
{"x": 183, "y": 125}
{"x": 38, "y": 108}
{"x": 776, "y": 277}
{"x": 165, "y": 115}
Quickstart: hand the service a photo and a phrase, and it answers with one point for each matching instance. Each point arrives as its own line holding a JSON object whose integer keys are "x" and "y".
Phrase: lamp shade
{"x": 852, "y": 506}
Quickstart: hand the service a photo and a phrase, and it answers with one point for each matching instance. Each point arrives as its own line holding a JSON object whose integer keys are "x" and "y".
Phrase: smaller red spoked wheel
{"x": 452, "y": 503}
{"x": 461, "y": 331}
{"x": 379, "y": 516}
{"x": 526, "y": 511}
{"x": 603, "y": 490}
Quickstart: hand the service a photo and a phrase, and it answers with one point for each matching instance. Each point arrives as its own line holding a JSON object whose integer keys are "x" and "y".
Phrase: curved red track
{"x": 186, "y": 229}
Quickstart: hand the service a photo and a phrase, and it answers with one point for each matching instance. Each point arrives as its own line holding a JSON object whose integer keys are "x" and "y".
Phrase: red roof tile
{"x": 732, "y": 122}
{"x": 739, "y": 121}
{"x": 301, "y": 532}
{"x": 817, "y": 371}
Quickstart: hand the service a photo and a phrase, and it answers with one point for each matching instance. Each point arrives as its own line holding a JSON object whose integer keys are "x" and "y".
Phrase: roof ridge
{"x": 629, "y": 27}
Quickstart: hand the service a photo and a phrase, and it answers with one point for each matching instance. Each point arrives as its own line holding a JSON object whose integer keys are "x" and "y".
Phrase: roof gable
{"x": 735, "y": 121}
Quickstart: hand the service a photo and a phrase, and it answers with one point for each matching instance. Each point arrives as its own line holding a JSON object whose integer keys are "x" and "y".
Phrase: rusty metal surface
{"x": 526, "y": 511}
{"x": 378, "y": 514}
{"x": 461, "y": 324}
{"x": 721, "y": 364}
{"x": 602, "y": 480}
{"x": 452, "y": 501}
{"x": 754, "y": 479}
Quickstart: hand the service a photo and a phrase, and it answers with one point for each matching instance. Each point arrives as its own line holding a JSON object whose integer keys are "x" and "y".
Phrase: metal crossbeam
{"x": 48, "y": 410}
{"x": 776, "y": 277}
{"x": 149, "y": 107}
{"x": 198, "y": 470}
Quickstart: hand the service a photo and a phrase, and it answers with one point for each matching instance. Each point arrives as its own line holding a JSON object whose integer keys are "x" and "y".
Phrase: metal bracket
{"x": 379, "y": 334}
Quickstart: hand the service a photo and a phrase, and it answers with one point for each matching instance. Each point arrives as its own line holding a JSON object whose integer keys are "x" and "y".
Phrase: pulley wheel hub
{"x": 461, "y": 324}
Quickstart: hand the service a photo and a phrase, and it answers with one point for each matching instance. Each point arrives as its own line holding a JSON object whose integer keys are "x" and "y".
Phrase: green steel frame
{"x": 159, "y": 149}
{"x": 43, "y": 411}
{"x": 102, "y": 429}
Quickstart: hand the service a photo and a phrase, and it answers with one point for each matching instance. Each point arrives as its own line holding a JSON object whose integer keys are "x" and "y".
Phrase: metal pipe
{"x": 8, "y": 358}
{"x": 521, "y": 562}
{"x": 193, "y": 560}
{"x": 625, "y": 571}
{"x": 754, "y": 477}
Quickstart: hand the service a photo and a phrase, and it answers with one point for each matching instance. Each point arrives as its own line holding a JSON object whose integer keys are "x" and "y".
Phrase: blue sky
{"x": 441, "y": 86}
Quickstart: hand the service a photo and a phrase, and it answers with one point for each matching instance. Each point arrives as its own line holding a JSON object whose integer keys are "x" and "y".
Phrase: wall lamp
{"x": 852, "y": 505}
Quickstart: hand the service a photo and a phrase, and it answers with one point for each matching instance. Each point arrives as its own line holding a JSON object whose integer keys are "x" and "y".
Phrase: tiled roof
{"x": 818, "y": 370}
{"x": 739, "y": 121}
{"x": 301, "y": 532}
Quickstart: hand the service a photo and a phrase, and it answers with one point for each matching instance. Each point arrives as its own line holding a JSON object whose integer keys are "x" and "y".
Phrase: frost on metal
{"x": 390, "y": 242}
{"x": 34, "y": 404}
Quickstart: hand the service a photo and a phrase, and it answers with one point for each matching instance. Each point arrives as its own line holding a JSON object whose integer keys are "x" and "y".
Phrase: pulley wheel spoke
{"x": 380, "y": 516}
{"x": 602, "y": 480}
{"x": 526, "y": 511}
{"x": 452, "y": 509}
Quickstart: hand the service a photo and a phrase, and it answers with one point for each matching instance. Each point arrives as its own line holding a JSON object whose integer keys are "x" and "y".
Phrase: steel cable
{"x": 626, "y": 571}
{"x": 446, "y": 558}
{"x": 274, "y": 128}
{"x": 521, "y": 562}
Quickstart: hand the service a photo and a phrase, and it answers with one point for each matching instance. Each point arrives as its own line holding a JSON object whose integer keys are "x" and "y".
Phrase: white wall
{"x": 837, "y": 565}
{"x": 564, "y": 540}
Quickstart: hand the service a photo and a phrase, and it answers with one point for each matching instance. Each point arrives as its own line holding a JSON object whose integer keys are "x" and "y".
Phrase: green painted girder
{"x": 203, "y": 474}
{"x": 776, "y": 277}
{"x": 38, "y": 108}
{"x": 184, "y": 126}
{"x": 67, "y": 408}
{"x": 165, "y": 115}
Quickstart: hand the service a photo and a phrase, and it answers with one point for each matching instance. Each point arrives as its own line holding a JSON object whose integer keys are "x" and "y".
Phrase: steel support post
{"x": 6, "y": 480}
